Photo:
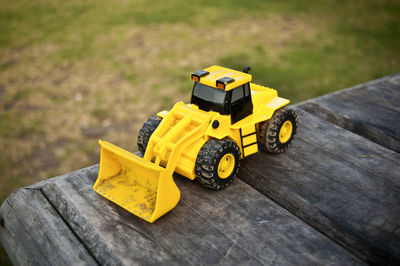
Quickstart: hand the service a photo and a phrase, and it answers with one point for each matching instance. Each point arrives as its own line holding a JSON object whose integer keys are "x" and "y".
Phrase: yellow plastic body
{"x": 145, "y": 186}
{"x": 217, "y": 72}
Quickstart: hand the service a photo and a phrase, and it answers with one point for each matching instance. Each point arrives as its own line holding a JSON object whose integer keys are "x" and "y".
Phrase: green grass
{"x": 129, "y": 59}
{"x": 355, "y": 49}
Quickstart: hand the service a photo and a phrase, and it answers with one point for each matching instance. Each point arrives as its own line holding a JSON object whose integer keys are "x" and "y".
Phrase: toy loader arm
{"x": 142, "y": 185}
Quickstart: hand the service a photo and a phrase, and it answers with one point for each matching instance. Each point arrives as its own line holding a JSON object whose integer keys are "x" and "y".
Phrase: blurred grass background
{"x": 75, "y": 71}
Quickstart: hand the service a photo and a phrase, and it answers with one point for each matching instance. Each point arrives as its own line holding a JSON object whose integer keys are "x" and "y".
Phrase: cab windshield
{"x": 208, "y": 93}
{"x": 208, "y": 98}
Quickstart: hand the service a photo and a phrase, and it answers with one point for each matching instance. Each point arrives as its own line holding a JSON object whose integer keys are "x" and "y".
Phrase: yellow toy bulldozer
{"x": 228, "y": 118}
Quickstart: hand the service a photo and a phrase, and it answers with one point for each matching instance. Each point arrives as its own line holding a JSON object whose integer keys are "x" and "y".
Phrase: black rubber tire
{"x": 269, "y": 131}
{"x": 146, "y": 131}
{"x": 208, "y": 160}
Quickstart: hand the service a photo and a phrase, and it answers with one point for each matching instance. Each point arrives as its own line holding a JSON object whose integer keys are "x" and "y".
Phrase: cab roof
{"x": 221, "y": 77}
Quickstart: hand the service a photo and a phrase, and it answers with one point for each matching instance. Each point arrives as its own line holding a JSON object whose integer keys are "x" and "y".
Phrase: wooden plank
{"x": 236, "y": 226}
{"x": 32, "y": 232}
{"x": 371, "y": 110}
{"x": 343, "y": 185}
{"x": 384, "y": 92}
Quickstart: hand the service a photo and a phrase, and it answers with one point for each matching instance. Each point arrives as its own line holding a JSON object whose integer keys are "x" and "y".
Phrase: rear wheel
{"x": 146, "y": 131}
{"x": 217, "y": 163}
{"x": 276, "y": 134}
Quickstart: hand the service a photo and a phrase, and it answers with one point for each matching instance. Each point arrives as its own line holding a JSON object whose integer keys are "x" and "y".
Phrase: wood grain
{"x": 342, "y": 184}
{"x": 236, "y": 226}
{"x": 33, "y": 233}
{"x": 371, "y": 110}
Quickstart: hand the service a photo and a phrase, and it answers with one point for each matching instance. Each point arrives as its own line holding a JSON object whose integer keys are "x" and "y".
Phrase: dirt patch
{"x": 93, "y": 132}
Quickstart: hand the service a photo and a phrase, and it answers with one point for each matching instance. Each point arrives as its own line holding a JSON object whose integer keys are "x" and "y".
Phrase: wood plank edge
{"x": 315, "y": 107}
{"x": 36, "y": 189}
{"x": 352, "y": 88}
{"x": 318, "y": 110}
{"x": 65, "y": 221}
{"x": 38, "y": 185}
{"x": 295, "y": 207}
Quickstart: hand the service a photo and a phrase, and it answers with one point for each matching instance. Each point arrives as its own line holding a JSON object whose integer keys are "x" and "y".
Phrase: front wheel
{"x": 146, "y": 131}
{"x": 276, "y": 135}
{"x": 217, "y": 163}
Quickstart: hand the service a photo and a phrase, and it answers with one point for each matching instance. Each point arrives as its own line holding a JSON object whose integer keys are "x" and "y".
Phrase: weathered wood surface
{"x": 343, "y": 185}
{"x": 370, "y": 110}
{"x": 235, "y": 226}
{"x": 33, "y": 233}
{"x": 333, "y": 198}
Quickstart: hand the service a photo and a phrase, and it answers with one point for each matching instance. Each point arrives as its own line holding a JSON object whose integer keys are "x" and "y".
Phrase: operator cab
{"x": 223, "y": 90}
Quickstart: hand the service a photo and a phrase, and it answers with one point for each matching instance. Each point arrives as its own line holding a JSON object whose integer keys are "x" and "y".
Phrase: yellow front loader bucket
{"x": 145, "y": 186}
{"x": 141, "y": 187}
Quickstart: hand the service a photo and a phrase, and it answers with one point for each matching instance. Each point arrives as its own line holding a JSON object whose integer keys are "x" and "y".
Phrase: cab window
{"x": 246, "y": 90}
{"x": 237, "y": 94}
